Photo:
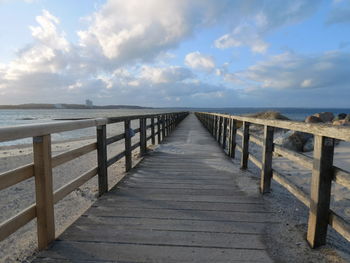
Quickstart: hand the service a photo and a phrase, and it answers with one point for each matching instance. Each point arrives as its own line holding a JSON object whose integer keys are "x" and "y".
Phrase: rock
{"x": 325, "y": 116}
{"x": 309, "y": 145}
{"x": 341, "y": 116}
{"x": 268, "y": 115}
{"x": 343, "y": 122}
{"x": 313, "y": 119}
{"x": 293, "y": 140}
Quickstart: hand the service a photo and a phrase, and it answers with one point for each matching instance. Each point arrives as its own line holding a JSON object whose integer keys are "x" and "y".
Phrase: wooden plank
{"x": 115, "y": 138}
{"x": 14, "y": 223}
{"x": 32, "y": 130}
{"x": 127, "y": 146}
{"x": 342, "y": 177}
{"x": 159, "y": 131}
{"x": 102, "y": 159}
{"x": 292, "y": 188}
{"x": 133, "y": 147}
{"x": 115, "y": 158}
{"x": 173, "y": 224}
{"x": 153, "y": 131}
{"x": 224, "y": 135}
{"x": 138, "y": 253}
{"x": 255, "y": 161}
{"x": 220, "y": 130}
{"x": 97, "y": 233}
{"x": 266, "y": 169}
{"x": 327, "y": 130}
{"x": 63, "y": 191}
{"x": 163, "y": 126}
{"x": 321, "y": 183}
{"x": 43, "y": 190}
{"x": 16, "y": 176}
{"x": 245, "y": 146}
{"x": 143, "y": 142}
{"x": 339, "y": 225}
{"x": 72, "y": 154}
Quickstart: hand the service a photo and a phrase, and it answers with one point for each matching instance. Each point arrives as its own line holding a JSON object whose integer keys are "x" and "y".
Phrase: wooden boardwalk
{"x": 180, "y": 204}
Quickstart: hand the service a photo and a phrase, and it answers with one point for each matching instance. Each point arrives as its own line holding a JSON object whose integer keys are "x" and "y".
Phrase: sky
{"x": 178, "y": 53}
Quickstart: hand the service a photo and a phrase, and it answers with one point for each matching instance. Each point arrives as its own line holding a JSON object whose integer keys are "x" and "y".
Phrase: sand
{"x": 285, "y": 241}
{"x": 21, "y": 245}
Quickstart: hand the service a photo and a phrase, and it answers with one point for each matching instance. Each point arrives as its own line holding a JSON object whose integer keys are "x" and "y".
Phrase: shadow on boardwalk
{"x": 180, "y": 204}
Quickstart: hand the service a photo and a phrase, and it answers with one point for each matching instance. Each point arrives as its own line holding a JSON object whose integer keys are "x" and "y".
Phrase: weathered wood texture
{"x": 181, "y": 204}
{"x": 321, "y": 164}
{"x": 43, "y": 190}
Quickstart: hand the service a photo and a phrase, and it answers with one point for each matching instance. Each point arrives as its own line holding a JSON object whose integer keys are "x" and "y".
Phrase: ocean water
{"x": 20, "y": 117}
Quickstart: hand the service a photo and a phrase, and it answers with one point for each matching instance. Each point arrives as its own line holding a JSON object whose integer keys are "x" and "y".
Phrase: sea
{"x": 23, "y": 117}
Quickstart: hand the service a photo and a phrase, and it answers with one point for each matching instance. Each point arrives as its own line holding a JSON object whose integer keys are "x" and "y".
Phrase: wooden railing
{"x": 41, "y": 168}
{"x": 224, "y": 129}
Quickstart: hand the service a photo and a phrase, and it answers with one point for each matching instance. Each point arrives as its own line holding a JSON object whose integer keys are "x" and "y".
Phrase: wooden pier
{"x": 180, "y": 204}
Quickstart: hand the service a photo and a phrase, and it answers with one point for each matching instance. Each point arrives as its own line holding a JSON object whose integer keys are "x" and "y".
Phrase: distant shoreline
{"x": 33, "y": 106}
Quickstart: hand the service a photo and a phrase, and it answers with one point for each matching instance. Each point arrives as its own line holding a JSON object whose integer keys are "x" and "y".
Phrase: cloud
{"x": 253, "y": 20}
{"x": 170, "y": 74}
{"x": 243, "y": 36}
{"x": 340, "y": 14}
{"x": 125, "y": 31}
{"x": 198, "y": 61}
{"x": 292, "y": 71}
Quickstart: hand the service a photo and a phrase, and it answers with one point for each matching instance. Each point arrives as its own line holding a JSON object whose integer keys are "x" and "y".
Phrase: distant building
{"x": 58, "y": 106}
{"x": 89, "y": 103}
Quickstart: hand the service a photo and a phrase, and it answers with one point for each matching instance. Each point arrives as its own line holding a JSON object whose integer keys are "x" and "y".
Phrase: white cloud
{"x": 125, "y": 31}
{"x": 327, "y": 71}
{"x": 165, "y": 75}
{"x": 198, "y": 61}
{"x": 255, "y": 19}
{"x": 243, "y": 35}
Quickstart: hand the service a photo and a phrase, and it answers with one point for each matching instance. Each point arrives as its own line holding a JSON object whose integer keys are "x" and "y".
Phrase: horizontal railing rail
{"x": 224, "y": 128}
{"x": 161, "y": 124}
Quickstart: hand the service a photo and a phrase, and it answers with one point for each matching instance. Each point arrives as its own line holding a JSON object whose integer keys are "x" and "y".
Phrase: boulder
{"x": 309, "y": 145}
{"x": 341, "y": 116}
{"x": 325, "y": 116}
{"x": 268, "y": 115}
{"x": 293, "y": 140}
{"x": 313, "y": 119}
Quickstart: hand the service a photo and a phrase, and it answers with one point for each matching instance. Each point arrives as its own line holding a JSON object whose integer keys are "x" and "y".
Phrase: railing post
{"x": 220, "y": 129}
{"x": 143, "y": 142}
{"x": 128, "y": 156}
{"x": 224, "y": 136}
{"x": 153, "y": 131}
{"x": 102, "y": 159}
{"x": 159, "y": 130}
{"x": 233, "y": 138}
{"x": 215, "y": 127}
{"x": 43, "y": 190}
{"x": 163, "y": 126}
{"x": 321, "y": 183}
{"x": 266, "y": 169}
{"x": 245, "y": 145}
